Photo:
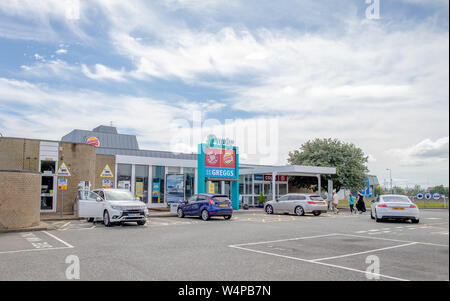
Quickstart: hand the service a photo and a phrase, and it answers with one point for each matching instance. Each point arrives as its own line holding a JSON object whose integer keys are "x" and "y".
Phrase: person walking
{"x": 360, "y": 205}
{"x": 335, "y": 202}
{"x": 351, "y": 202}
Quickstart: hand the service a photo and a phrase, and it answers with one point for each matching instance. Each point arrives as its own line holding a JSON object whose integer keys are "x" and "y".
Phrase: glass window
{"x": 124, "y": 176}
{"x": 117, "y": 195}
{"x": 48, "y": 167}
{"x": 258, "y": 189}
{"x": 249, "y": 184}
{"x": 190, "y": 181}
{"x": 141, "y": 177}
{"x": 192, "y": 199}
{"x": 158, "y": 182}
{"x": 284, "y": 198}
{"x": 173, "y": 170}
{"x": 396, "y": 199}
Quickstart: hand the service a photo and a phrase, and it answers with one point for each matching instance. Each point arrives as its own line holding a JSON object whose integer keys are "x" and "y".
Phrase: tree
{"x": 378, "y": 190}
{"x": 349, "y": 161}
{"x": 440, "y": 189}
{"x": 399, "y": 190}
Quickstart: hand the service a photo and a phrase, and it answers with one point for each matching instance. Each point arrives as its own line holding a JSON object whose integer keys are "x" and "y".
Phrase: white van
{"x": 113, "y": 206}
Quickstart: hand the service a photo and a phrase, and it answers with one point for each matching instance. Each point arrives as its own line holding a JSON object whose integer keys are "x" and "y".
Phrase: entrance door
{"x": 228, "y": 189}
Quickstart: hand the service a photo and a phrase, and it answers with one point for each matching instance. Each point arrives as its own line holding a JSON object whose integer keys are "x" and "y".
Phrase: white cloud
{"x": 61, "y": 51}
{"x": 424, "y": 152}
{"x": 103, "y": 73}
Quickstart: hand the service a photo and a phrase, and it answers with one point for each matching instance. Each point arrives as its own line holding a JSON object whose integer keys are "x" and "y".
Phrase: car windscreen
{"x": 396, "y": 199}
{"x": 119, "y": 196}
{"x": 316, "y": 197}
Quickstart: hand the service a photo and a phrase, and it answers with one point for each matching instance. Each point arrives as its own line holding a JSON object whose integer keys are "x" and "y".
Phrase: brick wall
{"x": 19, "y": 154}
{"x": 20, "y": 194}
{"x": 100, "y": 163}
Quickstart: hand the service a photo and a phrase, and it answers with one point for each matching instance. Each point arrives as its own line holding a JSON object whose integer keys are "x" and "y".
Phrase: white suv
{"x": 112, "y": 206}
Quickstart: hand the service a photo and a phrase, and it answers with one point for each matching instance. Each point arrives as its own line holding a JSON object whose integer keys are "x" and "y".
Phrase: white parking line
{"x": 365, "y": 252}
{"x": 58, "y": 239}
{"x": 280, "y": 240}
{"x": 320, "y": 263}
{"x": 37, "y": 248}
{"x": 397, "y": 240}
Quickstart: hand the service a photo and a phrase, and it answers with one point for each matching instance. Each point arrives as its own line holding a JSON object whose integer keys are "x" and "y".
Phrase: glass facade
{"x": 124, "y": 176}
{"x": 158, "y": 183}
{"x": 141, "y": 182}
{"x": 189, "y": 185}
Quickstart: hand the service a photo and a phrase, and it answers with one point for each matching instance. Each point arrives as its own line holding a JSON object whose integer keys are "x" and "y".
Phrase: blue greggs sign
{"x": 218, "y": 160}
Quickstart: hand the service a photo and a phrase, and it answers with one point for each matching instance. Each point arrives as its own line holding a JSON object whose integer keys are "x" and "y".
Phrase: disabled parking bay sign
{"x": 107, "y": 173}
{"x": 62, "y": 183}
{"x": 63, "y": 171}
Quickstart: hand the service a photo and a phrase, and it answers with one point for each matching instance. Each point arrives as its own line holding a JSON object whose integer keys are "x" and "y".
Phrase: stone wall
{"x": 20, "y": 194}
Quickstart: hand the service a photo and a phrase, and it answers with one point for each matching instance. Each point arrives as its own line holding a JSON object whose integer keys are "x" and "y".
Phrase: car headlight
{"x": 117, "y": 208}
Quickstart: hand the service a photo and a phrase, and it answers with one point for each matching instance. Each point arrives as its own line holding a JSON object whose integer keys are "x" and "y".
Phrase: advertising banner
{"x": 220, "y": 163}
{"x": 175, "y": 188}
{"x": 268, "y": 178}
{"x": 155, "y": 189}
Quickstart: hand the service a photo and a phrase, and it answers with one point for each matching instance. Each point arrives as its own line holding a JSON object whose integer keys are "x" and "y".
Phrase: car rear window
{"x": 221, "y": 199}
{"x": 396, "y": 199}
{"x": 316, "y": 198}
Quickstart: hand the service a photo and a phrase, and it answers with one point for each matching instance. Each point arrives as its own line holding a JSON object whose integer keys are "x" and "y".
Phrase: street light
{"x": 390, "y": 177}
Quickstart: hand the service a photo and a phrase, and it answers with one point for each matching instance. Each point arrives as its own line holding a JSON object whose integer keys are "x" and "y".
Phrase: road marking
{"x": 281, "y": 240}
{"x": 320, "y": 263}
{"x": 58, "y": 239}
{"x": 66, "y": 224}
{"x": 365, "y": 252}
{"x": 397, "y": 240}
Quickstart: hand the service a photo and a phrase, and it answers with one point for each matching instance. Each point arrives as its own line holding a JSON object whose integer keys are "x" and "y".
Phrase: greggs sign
{"x": 220, "y": 163}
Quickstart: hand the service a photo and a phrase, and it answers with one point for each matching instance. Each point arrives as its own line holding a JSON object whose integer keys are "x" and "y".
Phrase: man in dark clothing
{"x": 360, "y": 205}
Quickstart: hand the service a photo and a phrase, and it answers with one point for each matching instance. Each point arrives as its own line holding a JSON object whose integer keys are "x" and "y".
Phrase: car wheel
{"x": 106, "y": 220}
{"x": 90, "y": 220}
{"x": 317, "y": 213}
{"x": 269, "y": 209}
{"x": 205, "y": 215}
{"x": 141, "y": 223}
{"x": 227, "y": 217}
{"x": 415, "y": 221}
{"x": 180, "y": 213}
{"x": 299, "y": 211}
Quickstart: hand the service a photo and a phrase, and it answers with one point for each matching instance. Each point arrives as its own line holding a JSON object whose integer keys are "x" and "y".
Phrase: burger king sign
{"x": 93, "y": 141}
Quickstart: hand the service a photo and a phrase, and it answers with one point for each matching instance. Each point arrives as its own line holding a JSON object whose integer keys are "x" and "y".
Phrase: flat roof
{"x": 290, "y": 170}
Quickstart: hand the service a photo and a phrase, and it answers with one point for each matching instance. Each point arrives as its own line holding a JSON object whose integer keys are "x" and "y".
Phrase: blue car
{"x": 205, "y": 206}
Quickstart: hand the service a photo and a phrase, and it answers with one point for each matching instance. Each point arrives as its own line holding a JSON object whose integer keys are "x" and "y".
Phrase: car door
{"x": 282, "y": 204}
{"x": 198, "y": 204}
{"x": 100, "y": 205}
{"x": 188, "y": 206}
{"x": 88, "y": 206}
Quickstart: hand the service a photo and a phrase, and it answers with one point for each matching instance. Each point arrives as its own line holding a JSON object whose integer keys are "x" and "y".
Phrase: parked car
{"x": 298, "y": 204}
{"x": 394, "y": 207}
{"x": 206, "y": 206}
{"x": 113, "y": 206}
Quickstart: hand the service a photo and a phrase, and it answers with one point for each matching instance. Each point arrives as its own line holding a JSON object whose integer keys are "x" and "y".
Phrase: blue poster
{"x": 155, "y": 189}
{"x": 174, "y": 188}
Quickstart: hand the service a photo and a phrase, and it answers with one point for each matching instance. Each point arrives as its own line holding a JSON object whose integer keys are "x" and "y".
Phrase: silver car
{"x": 394, "y": 207}
{"x": 298, "y": 204}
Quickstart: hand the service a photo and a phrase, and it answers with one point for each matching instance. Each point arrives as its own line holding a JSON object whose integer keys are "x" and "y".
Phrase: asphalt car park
{"x": 250, "y": 246}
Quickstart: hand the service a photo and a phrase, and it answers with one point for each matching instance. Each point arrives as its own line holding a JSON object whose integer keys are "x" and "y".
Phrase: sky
{"x": 374, "y": 73}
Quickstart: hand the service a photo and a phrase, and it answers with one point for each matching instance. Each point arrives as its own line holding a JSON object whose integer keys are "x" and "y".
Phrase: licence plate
{"x": 133, "y": 214}
{"x": 223, "y": 205}
{"x": 398, "y": 208}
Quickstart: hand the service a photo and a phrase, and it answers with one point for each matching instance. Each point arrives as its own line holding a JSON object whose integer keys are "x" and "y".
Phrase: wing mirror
{"x": 98, "y": 199}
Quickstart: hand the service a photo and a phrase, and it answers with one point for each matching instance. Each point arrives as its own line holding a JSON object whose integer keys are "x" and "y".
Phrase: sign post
{"x": 62, "y": 174}
{"x": 218, "y": 160}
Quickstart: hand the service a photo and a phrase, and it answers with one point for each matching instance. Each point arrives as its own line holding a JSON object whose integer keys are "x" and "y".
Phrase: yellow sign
{"x": 139, "y": 189}
{"x": 63, "y": 171}
{"x": 107, "y": 173}
{"x": 211, "y": 187}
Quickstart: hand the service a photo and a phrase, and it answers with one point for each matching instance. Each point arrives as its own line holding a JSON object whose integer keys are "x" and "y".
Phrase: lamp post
{"x": 390, "y": 178}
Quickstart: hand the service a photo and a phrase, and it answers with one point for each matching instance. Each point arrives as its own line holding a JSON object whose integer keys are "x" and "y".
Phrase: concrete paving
{"x": 251, "y": 246}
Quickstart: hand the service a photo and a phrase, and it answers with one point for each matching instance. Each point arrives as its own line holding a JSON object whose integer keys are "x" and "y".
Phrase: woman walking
{"x": 360, "y": 205}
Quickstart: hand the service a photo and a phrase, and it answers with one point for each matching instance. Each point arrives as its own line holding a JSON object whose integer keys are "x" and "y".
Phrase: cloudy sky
{"x": 318, "y": 68}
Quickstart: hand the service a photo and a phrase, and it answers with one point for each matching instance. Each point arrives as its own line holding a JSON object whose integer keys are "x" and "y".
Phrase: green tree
{"x": 399, "y": 190}
{"x": 349, "y": 160}
{"x": 378, "y": 190}
{"x": 440, "y": 189}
